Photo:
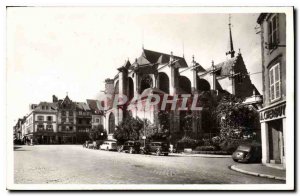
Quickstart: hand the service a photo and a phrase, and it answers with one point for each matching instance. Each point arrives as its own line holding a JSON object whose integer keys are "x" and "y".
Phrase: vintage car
{"x": 109, "y": 145}
{"x": 130, "y": 147}
{"x": 247, "y": 153}
{"x": 158, "y": 148}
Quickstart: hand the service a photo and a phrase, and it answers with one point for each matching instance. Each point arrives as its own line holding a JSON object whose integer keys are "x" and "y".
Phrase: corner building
{"x": 273, "y": 115}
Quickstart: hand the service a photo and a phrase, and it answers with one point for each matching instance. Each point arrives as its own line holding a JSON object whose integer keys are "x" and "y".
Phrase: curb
{"x": 234, "y": 168}
{"x": 201, "y": 155}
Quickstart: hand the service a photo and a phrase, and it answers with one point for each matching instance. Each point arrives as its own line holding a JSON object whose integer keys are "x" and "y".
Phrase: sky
{"x": 72, "y": 50}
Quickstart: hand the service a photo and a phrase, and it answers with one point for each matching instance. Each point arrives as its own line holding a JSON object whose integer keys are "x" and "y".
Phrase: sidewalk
{"x": 260, "y": 170}
{"x": 199, "y": 155}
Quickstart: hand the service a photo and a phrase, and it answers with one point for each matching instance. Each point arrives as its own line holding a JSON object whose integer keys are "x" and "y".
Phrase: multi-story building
{"x": 97, "y": 113}
{"x": 40, "y": 124}
{"x": 272, "y": 115}
{"x": 66, "y": 120}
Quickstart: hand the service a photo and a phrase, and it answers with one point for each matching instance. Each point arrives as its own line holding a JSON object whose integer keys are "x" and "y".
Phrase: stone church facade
{"x": 160, "y": 73}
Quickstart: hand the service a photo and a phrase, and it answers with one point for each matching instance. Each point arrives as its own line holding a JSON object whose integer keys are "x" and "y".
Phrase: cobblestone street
{"x": 72, "y": 164}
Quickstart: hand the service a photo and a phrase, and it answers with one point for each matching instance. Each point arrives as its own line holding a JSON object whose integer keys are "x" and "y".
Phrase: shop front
{"x": 273, "y": 131}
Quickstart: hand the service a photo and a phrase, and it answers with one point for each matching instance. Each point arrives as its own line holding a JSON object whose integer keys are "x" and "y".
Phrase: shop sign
{"x": 273, "y": 113}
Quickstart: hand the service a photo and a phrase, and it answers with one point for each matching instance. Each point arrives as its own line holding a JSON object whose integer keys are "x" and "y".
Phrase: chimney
{"x": 54, "y": 99}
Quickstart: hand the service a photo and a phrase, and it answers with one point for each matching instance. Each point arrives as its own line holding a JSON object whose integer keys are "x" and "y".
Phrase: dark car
{"x": 247, "y": 153}
{"x": 158, "y": 148}
{"x": 130, "y": 147}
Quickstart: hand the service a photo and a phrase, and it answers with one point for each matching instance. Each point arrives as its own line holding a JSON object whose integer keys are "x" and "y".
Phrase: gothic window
{"x": 146, "y": 82}
{"x": 202, "y": 85}
{"x": 163, "y": 82}
{"x": 130, "y": 88}
{"x": 111, "y": 123}
{"x": 185, "y": 84}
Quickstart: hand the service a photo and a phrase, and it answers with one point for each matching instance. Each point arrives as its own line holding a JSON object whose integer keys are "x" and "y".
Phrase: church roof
{"x": 149, "y": 57}
{"x": 225, "y": 67}
{"x": 126, "y": 65}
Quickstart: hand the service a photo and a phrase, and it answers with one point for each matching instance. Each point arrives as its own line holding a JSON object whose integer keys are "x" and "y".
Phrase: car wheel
{"x": 235, "y": 160}
{"x": 131, "y": 150}
{"x": 166, "y": 154}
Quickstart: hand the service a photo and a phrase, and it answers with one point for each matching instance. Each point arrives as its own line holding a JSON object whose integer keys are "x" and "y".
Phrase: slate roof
{"x": 149, "y": 57}
{"x": 93, "y": 104}
{"x": 52, "y": 106}
{"x": 82, "y": 106}
{"x": 224, "y": 67}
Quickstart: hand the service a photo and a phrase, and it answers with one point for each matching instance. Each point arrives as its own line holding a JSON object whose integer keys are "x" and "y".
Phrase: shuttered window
{"x": 275, "y": 83}
{"x": 273, "y": 31}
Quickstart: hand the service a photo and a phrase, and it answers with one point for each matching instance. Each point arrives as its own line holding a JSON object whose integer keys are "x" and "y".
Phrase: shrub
{"x": 205, "y": 148}
{"x": 230, "y": 145}
{"x": 187, "y": 142}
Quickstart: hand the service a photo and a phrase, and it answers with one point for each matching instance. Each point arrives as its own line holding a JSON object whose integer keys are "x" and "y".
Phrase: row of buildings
{"x": 61, "y": 121}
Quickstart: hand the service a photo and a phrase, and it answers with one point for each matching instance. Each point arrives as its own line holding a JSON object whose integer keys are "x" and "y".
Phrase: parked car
{"x": 108, "y": 145}
{"x": 130, "y": 147}
{"x": 158, "y": 148}
{"x": 97, "y": 144}
{"x": 247, "y": 153}
{"x": 88, "y": 144}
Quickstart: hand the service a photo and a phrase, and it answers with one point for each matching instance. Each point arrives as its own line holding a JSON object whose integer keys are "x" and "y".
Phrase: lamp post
{"x": 144, "y": 137}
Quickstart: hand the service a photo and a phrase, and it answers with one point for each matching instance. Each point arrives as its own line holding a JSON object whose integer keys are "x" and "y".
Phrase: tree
{"x": 235, "y": 118}
{"x": 164, "y": 119}
{"x": 98, "y": 133}
{"x": 128, "y": 129}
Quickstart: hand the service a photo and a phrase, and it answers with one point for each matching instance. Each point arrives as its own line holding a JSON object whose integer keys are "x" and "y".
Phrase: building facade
{"x": 66, "y": 120}
{"x": 41, "y": 124}
{"x": 61, "y": 121}
{"x": 272, "y": 115}
{"x": 97, "y": 113}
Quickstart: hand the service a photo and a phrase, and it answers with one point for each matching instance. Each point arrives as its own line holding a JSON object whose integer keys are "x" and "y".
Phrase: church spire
{"x": 231, "y": 50}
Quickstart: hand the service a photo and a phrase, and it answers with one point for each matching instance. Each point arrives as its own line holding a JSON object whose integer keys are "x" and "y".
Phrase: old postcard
{"x": 150, "y": 98}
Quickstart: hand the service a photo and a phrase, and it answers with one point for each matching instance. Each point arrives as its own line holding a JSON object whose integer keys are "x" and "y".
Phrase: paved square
{"x": 73, "y": 164}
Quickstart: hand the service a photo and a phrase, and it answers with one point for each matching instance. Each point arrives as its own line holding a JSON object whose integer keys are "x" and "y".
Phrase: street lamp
{"x": 144, "y": 137}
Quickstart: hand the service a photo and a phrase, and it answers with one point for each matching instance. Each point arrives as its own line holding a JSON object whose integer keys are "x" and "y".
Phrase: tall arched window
{"x": 203, "y": 85}
{"x": 130, "y": 88}
{"x": 185, "y": 84}
{"x": 164, "y": 82}
{"x": 146, "y": 82}
{"x": 111, "y": 122}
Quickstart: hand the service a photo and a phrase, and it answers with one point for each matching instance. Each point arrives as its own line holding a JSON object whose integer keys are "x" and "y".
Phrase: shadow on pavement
{"x": 19, "y": 148}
